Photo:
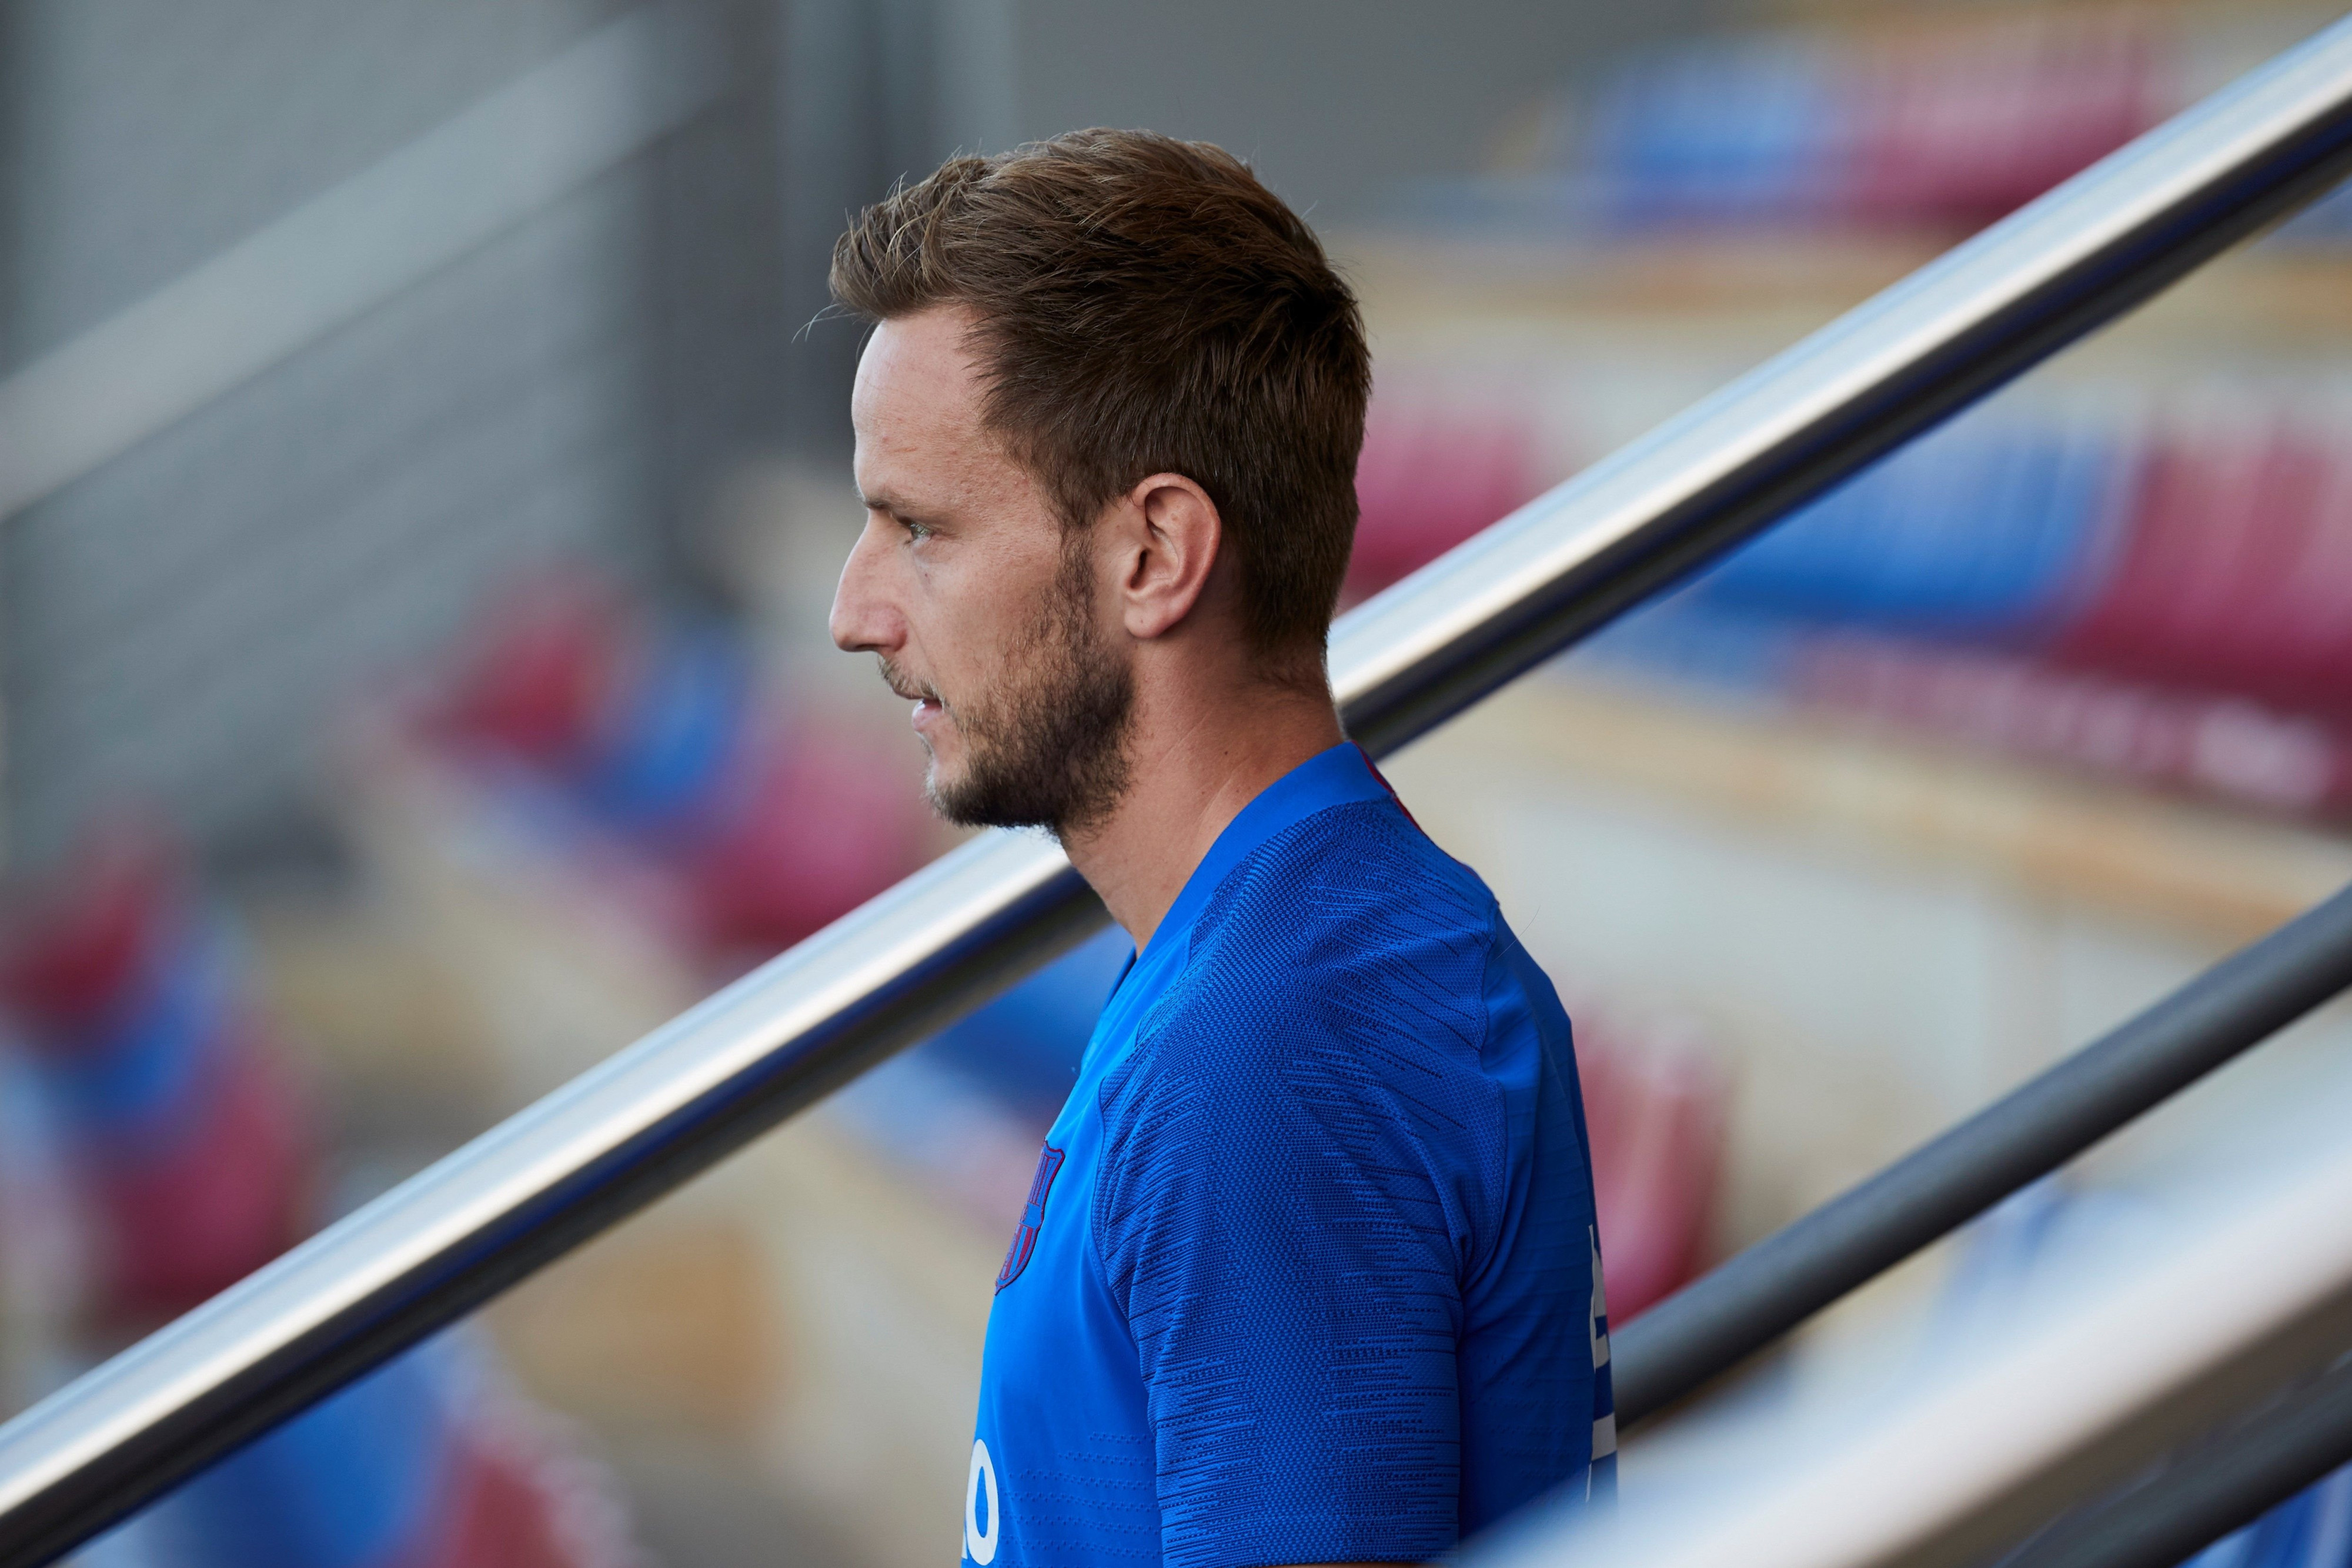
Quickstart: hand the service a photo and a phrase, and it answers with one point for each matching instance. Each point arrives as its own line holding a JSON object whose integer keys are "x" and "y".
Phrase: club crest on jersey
{"x": 1032, "y": 1215}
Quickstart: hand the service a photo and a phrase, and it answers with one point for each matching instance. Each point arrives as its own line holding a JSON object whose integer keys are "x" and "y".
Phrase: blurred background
{"x": 422, "y": 480}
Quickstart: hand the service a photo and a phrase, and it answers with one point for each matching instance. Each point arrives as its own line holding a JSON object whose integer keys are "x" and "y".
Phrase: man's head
{"x": 1114, "y": 402}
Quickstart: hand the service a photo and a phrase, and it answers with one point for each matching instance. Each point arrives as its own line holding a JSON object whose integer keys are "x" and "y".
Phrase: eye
{"x": 916, "y": 532}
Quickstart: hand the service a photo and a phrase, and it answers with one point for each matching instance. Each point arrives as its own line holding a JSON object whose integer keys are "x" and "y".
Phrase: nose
{"x": 862, "y": 620}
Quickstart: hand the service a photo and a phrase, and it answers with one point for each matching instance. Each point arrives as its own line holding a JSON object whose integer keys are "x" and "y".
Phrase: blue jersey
{"x": 1308, "y": 1270}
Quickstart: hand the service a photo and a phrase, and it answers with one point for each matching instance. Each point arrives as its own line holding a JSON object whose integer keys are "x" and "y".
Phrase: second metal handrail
{"x": 1747, "y": 1302}
{"x": 2211, "y": 1491}
{"x": 2102, "y": 1377}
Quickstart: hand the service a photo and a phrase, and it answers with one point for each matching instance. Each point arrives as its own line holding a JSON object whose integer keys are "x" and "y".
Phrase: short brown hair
{"x": 1147, "y": 306}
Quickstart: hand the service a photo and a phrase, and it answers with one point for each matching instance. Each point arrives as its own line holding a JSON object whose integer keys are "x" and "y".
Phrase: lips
{"x": 927, "y": 702}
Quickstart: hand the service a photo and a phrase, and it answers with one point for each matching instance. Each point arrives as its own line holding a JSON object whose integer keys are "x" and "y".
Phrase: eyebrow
{"x": 883, "y": 501}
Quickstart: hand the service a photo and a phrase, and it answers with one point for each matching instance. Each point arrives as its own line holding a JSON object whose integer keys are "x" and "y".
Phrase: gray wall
{"x": 184, "y": 626}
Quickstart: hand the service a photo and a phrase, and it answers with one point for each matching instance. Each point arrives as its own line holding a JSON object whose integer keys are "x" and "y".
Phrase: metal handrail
{"x": 2221, "y": 1485}
{"x": 2069, "y": 1400}
{"x": 654, "y": 1115}
{"x": 1747, "y": 1302}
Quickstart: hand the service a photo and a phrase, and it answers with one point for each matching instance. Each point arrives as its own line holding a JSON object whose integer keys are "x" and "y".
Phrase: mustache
{"x": 912, "y": 690}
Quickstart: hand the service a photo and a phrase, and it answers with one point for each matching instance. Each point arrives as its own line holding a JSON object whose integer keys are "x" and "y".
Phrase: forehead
{"x": 917, "y": 409}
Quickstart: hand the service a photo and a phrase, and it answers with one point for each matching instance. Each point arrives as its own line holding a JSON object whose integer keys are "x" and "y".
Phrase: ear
{"x": 1168, "y": 545}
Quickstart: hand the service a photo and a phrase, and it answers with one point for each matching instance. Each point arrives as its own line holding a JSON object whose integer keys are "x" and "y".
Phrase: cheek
{"x": 950, "y": 627}
{"x": 983, "y": 616}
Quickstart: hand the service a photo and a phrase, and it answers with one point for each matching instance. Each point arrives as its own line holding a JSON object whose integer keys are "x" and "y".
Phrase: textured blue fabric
{"x": 1308, "y": 1272}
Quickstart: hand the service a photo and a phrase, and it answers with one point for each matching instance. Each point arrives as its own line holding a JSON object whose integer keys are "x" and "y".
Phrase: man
{"x": 1307, "y": 1273}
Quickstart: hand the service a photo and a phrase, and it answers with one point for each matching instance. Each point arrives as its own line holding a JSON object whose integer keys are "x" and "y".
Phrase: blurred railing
{"x": 2064, "y": 1405}
{"x": 1760, "y": 1295}
{"x": 944, "y": 941}
{"x": 2225, "y": 1485}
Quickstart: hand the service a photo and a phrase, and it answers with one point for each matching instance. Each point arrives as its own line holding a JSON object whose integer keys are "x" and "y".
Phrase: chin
{"x": 940, "y": 780}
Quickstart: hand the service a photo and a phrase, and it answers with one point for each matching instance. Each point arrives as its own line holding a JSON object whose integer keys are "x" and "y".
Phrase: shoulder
{"x": 1319, "y": 1063}
{"x": 1345, "y": 894}
{"x": 1347, "y": 957}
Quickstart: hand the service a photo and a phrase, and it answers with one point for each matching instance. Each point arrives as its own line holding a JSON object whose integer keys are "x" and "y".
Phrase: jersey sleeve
{"x": 1285, "y": 1216}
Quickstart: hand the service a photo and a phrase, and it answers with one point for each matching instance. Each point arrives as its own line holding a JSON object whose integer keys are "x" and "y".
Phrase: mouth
{"x": 926, "y": 703}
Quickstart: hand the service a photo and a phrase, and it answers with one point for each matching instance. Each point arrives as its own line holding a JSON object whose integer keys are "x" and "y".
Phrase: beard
{"x": 1047, "y": 747}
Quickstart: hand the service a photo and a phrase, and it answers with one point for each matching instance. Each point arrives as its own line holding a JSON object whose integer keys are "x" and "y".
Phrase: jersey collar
{"x": 1340, "y": 777}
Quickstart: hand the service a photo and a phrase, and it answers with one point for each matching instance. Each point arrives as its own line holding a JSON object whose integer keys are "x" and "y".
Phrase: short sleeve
{"x": 1286, "y": 1212}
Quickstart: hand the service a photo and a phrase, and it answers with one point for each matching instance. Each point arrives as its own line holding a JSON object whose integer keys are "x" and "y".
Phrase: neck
{"x": 1188, "y": 779}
